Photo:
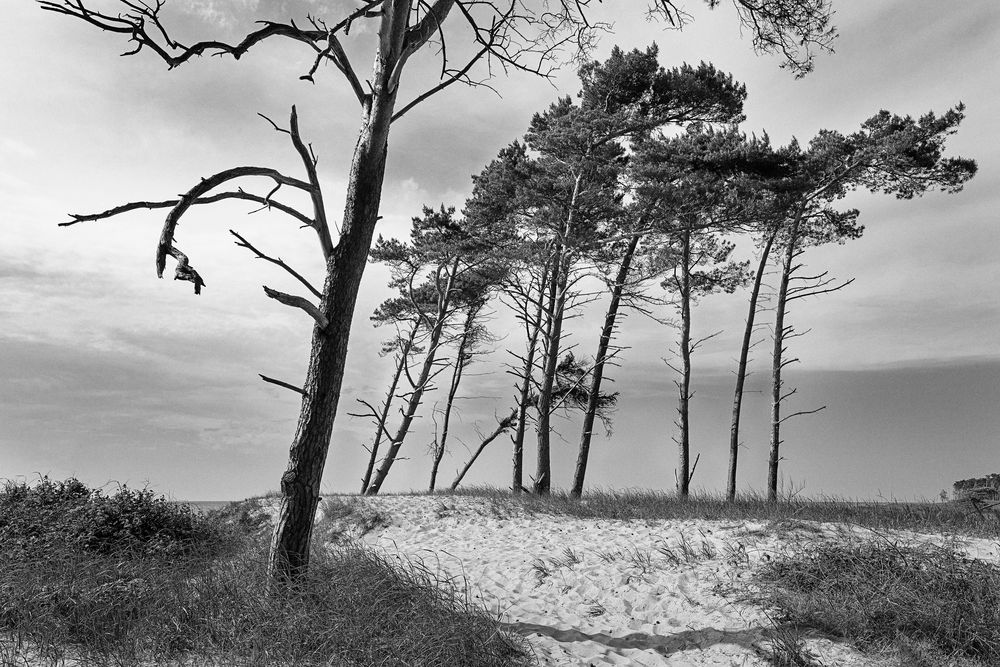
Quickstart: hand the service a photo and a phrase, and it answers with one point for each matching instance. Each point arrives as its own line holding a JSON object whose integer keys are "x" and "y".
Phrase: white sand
{"x": 600, "y": 592}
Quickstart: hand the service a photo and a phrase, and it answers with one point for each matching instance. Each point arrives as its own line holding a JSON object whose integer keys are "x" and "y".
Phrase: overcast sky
{"x": 109, "y": 374}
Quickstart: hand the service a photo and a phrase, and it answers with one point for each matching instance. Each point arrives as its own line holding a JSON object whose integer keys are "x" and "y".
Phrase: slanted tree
{"x": 454, "y": 259}
{"x": 897, "y": 155}
{"x": 633, "y": 97}
{"x": 512, "y": 34}
{"x": 471, "y": 338}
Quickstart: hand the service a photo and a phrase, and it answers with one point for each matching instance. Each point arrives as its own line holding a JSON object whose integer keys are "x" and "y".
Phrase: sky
{"x": 113, "y": 376}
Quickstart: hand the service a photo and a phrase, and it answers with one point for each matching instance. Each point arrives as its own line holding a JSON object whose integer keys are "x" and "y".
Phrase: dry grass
{"x": 951, "y": 518}
{"x": 930, "y": 604}
{"x": 143, "y": 597}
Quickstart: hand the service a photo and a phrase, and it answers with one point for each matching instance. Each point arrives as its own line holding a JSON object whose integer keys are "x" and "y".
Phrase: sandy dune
{"x": 600, "y": 592}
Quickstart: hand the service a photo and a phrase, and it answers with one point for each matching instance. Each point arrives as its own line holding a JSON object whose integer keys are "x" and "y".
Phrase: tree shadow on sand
{"x": 663, "y": 644}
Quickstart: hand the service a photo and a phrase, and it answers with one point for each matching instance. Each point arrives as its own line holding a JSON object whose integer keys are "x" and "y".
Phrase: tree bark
{"x": 741, "y": 370}
{"x": 777, "y": 364}
{"x": 501, "y": 427}
{"x": 383, "y": 418}
{"x": 684, "y": 386}
{"x": 300, "y": 484}
{"x": 610, "y": 319}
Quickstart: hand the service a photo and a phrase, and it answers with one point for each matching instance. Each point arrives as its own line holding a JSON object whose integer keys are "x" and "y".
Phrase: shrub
{"x": 50, "y": 514}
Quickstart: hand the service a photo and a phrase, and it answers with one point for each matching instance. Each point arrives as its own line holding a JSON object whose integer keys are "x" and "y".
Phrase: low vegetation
{"x": 931, "y": 605}
{"x": 652, "y": 505}
{"x": 128, "y": 578}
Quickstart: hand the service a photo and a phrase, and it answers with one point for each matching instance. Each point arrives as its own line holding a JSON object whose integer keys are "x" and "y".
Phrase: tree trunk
{"x": 383, "y": 418}
{"x": 456, "y": 378}
{"x": 607, "y": 332}
{"x": 684, "y": 386}
{"x": 300, "y": 484}
{"x": 557, "y": 304}
{"x": 741, "y": 370}
{"x": 777, "y": 364}
{"x": 534, "y": 329}
{"x": 501, "y": 427}
{"x": 553, "y": 334}
{"x": 413, "y": 402}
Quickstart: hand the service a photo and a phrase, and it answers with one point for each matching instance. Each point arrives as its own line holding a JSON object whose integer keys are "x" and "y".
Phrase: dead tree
{"x": 509, "y": 34}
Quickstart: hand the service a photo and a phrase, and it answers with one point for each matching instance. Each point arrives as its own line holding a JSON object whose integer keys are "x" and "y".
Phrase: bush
{"x": 56, "y": 514}
{"x": 920, "y": 598}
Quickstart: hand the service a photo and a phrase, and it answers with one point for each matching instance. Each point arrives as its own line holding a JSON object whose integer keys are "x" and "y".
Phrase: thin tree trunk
{"x": 419, "y": 388}
{"x": 383, "y": 418}
{"x": 557, "y": 303}
{"x": 741, "y": 370}
{"x": 553, "y": 335}
{"x": 300, "y": 484}
{"x": 593, "y": 400}
{"x": 684, "y": 386}
{"x": 456, "y": 378}
{"x": 534, "y": 329}
{"x": 777, "y": 364}
{"x": 501, "y": 427}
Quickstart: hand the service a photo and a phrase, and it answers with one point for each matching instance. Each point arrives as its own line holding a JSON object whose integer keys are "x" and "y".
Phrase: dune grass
{"x": 130, "y": 579}
{"x": 929, "y": 604}
{"x": 630, "y": 504}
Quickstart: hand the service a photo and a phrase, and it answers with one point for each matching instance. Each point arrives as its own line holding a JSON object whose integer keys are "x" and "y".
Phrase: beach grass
{"x": 641, "y": 504}
{"x": 129, "y": 579}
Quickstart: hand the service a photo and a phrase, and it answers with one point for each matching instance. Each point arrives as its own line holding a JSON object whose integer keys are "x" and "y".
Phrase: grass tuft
{"x": 930, "y": 603}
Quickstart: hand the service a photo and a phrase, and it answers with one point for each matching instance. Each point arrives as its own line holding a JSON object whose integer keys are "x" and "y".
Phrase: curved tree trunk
{"x": 741, "y": 370}
{"x": 607, "y": 332}
{"x": 300, "y": 484}
{"x": 774, "y": 456}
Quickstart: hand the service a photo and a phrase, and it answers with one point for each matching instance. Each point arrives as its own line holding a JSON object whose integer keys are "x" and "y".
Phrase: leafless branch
{"x": 301, "y": 303}
{"x": 243, "y": 243}
{"x": 283, "y": 384}
{"x": 800, "y": 413}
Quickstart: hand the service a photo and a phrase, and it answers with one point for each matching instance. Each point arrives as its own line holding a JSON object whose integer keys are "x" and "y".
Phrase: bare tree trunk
{"x": 300, "y": 484}
{"x": 607, "y": 332}
{"x": 501, "y": 427}
{"x": 534, "y": 327}
{"x": 741, "y": 370}
{"x": 553, "y": 335}
{"x": 383, "y": 417}
{"x": 684, "y": 385}
{"x": 777, "y": 364}
{"x": 456, "y": 378}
